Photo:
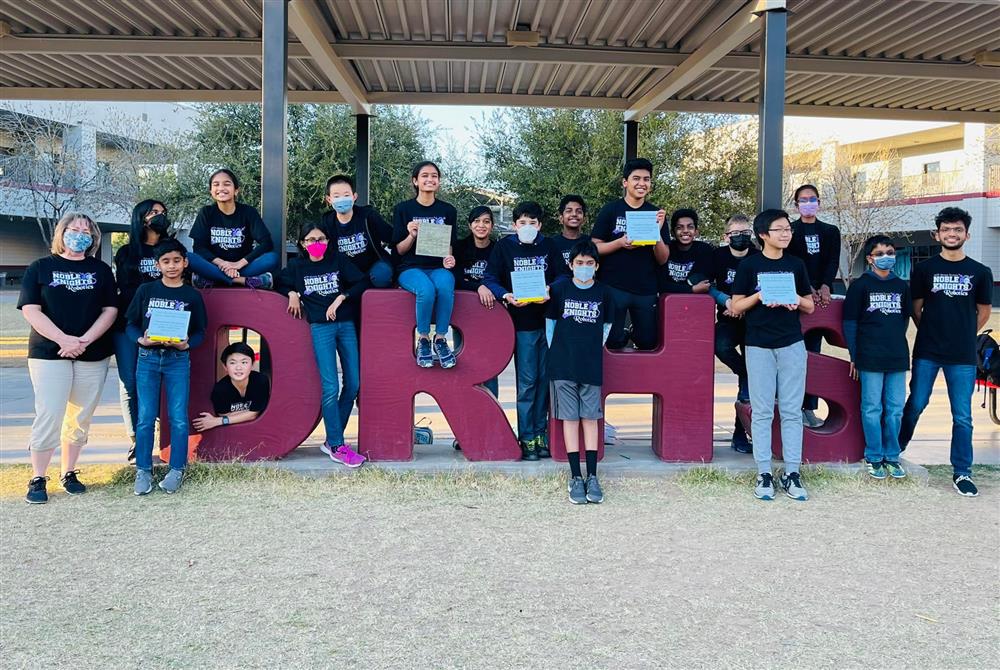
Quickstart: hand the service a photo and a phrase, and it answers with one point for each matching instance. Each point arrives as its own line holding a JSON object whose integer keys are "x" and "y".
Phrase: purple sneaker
{"x": 344, "y": 454}
{"x": 264, "y": 281}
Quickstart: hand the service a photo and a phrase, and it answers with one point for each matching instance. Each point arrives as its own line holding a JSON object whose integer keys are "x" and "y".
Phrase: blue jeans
{"x": 882, "y": 397}
{"x": 127, "y": 356}
{"x": 330, "y": 340}
{"x": 961, "y": 381}
{"x": 172, "y": 369}
{"x": 435, "y": 291}
{"x": 531, "y": 352}
{"x": 208, "y": 270}
{"x": 381, "y": 274}
{"x": 491, "y": 385}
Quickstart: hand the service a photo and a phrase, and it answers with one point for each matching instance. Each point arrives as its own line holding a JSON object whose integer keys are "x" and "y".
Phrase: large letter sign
{"x": 294, "y": 408}
{"x": 680, "y": 374}
{"x": 390, "y": 378}
{"x": 840, "y": 438}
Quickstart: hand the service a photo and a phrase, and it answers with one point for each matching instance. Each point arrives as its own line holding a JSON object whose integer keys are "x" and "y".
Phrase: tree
{"x": 321, "y": 143}
{"x": 543, "y": 154}
{"x": 55, "y": 167}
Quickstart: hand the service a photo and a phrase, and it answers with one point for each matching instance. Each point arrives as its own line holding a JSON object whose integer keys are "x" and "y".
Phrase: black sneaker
{"x": 71, "y": 484}
{"x": 443, "y": 353}
{"x": 577, "y": 491}
{"x": 542, "y": 445}
{"x": 962, "y": 483}
{"x": 528, "y": 451}
{"x": 37, "y": 494}
{"x": 741, "y": 444}
{"x": 425, "y": 356}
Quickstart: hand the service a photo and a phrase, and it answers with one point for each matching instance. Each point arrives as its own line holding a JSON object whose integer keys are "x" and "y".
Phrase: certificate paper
{"x": 778, "y": 288}
{"x": 528, "y": 285}
{"x": 641, "y": 228}
{"x": 433, "y": 239}
{"x": 168, "y": 325}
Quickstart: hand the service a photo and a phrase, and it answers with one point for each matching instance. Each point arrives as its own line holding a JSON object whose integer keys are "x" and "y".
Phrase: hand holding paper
{"x": 777, "y": 288}
{"x": 528, "y": 285}
{"x": 433, "y": 239}
{"x": 168, "y": 325}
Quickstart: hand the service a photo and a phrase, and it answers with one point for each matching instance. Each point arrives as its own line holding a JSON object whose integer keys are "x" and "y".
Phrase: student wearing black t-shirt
{"x": 360, "y": 233}
{"x": 776, "y": 356}
{"x": 134, "y": 266}
{"x": 730, "y": 329}
{"x": 689, "y": 268}
{"x": 572, "y": 218}
{"x": 951, "y": 302}
{"x": 427, "y": 277}
{"x": 164, "y": 363}
{"x": 527, "y": 250}
{"x": 577, "y": 323}
{"x": 231, "y": 243}
{"x": 631, "y": 271}
{"x": 876, "y": 313}
{"x": 472, "y": 253}
{"x": 325, "y": 286}
{"x": 817, "y": 243}
{"x": 69, "y": 300}
{"x": 241, "y": 395}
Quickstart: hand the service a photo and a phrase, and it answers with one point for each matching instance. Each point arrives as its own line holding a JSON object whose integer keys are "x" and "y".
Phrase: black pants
{"x": 642, "y": 311}
{"x": 813, "y": 342}
{"x": 729, "y": 342}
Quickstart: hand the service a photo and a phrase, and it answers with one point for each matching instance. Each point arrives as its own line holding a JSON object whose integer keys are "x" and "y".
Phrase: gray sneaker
{"x": 172, "y": 482}
{"x": 793, "y": 486}
{"x": 143, "y": 482}
{"x": 765, "y": 487}
{"x": 810, "y": 420}
{"x": 594, "y": 492}
{"x": 577, "y": 491}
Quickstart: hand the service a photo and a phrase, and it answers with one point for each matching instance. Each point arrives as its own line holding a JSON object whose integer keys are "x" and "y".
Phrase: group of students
{"x": 601, "y": 290}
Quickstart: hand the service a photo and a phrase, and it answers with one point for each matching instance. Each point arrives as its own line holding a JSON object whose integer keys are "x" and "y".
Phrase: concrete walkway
{"x": 630, "y": 414}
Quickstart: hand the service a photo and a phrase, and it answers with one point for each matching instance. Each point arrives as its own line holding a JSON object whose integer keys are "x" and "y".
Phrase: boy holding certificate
{"x": 167, "y": 318}
{"x": 519, "y": 273}
{"x": 769, "y": 290}
{"x": 576, "y": 326}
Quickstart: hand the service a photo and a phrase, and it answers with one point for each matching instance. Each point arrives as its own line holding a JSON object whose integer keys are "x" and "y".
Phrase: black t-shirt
{"x": 693, "y": 263}
{"x": 577, "y": 351}
{"x": 157, "y": 294}
{"x": 470, "y": 263}
{"x": 230, "y": 236}
{"x": 818, "y": 245}
{"x": 771, "y": 327}
{"x": 510, "y": 255}
{"x": 632, "y": 270}
{"x": 564, "y": 245}
{"x": 881, "y": 308}
{"x": 950, "y": 291}
{"x": 362, "y": 239}
{"x": 72, "y": 294}
{"x": 319, "y": 283}
{"x": 129, "y": 275}
{"x": 439, "y": 212}
{"x": 226, "y": 399}
{"x": 724, "y": 266}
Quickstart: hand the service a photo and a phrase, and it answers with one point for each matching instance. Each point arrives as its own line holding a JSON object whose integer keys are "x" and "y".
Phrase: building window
{"x": 932, "y": 168}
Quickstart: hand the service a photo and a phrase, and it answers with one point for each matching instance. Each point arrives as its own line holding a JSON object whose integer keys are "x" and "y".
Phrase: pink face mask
{"x": 808, "y": 208}
{"x": 317, "y": 249}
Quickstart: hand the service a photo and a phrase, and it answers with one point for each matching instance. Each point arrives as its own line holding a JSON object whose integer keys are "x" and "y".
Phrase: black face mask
{"x": 159, "y": 224}
{"x": 740, "y": 242}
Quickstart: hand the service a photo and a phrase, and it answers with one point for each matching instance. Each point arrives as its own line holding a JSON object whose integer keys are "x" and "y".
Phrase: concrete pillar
{"x": 80, "y": 154}
{"x": 274, "y": 122}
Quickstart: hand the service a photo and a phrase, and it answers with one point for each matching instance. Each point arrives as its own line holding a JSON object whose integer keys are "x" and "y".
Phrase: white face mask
{"x": 526, "y": 234}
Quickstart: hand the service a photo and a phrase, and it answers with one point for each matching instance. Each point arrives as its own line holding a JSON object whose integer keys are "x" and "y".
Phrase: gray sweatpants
{"x": 777, "y": 373}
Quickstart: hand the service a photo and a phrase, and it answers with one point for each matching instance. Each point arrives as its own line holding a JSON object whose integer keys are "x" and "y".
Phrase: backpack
{"x": 988, "y": 357}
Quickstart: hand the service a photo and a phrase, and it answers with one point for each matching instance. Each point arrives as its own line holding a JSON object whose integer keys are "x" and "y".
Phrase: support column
{"x": 771, "y": 114}
{"x": 274, "y": 122}
{"x": 362, "y": 158}
{"x": 631, "y": 139}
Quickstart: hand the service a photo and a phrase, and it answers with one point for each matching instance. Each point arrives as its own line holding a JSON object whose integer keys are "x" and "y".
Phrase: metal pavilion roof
{"x": 911, "y": 59}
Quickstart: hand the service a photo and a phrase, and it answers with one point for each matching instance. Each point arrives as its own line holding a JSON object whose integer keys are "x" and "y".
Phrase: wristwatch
{"x": 225, "y": 421}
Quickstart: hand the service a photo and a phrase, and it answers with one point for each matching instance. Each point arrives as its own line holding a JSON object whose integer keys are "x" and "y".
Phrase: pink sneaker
{"x": 344, "y": 454}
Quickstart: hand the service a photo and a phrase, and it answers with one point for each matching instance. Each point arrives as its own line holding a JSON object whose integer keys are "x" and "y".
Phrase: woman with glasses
{"x": 817, "y": 243}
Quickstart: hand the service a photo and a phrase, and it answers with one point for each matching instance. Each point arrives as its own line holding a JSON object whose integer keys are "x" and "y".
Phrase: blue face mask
{"x": 583, "y": 273}
{"x": 76, "y": 241}
{"x": 885, "y": 262}
{"x": 343, "y": 205}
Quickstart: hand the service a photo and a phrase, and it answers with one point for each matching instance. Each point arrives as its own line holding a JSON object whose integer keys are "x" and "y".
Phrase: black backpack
{"x": 988, "y": 358}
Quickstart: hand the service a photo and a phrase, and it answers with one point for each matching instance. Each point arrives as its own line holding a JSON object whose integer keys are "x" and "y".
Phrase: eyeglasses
{"x": 951, "y": 229}
{"x": 780, "y": 231}
{"x": 737, "y": 233}
{"x": 314, "y": 240}
{"x": 810, "y": 199}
